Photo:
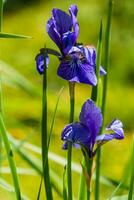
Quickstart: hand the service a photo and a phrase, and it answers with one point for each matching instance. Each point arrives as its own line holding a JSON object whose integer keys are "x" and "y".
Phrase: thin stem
{"x": 69, "y": 153}
{"x": 131, "y": 188}
{"x": 1, "y": 14}
{"x": 45, "y": 164}
{"x": 106, "y": 64}
{"x": 94, "y": 94}
{"x": 106, "y": 56}
{"x": 97, "y": 180}
{"x": 89, "y": 170}
{"x": 10, "y": 158}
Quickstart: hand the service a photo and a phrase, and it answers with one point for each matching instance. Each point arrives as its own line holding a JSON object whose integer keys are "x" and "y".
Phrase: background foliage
{"x": 23, "y": 108}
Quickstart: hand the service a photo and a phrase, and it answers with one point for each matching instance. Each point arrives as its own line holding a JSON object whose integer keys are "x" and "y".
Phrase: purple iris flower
{"x": 77, "y": 63}
{"x": 63, "y": 28}
{"x": 85, "y": 132}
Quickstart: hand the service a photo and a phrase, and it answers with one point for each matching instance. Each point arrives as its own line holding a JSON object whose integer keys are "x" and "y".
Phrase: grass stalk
{"x": 10, "y": 158}
{"x": 131, "y": 188}
{"x": 44, "y": 139}
{"x": 69, "y": 152}
{"x": 105, "y": 84}
{"x": 1, "y": 14}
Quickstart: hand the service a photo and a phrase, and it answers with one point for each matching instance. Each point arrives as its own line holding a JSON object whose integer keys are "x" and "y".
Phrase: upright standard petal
{"x": 42, "y": 61}
{"x": 76, "y": 133}
{"x": 63, "y": 22}
{"x": 53, "y": 33}
{"x": 68, "y": 41}
{"x": 73, "y": 11}
{"x": 91, "y": 117}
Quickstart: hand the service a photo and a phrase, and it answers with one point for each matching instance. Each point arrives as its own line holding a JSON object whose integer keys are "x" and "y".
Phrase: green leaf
{"x": 1, "y": 13}
{"x": 123, "y": 197}
{"x": 5, "y": 185}
{"x": 13, "y": 78}
{"x": 13, "y": 36}
{"x": 64, "y": 185}
{"x": 131, "y": 189}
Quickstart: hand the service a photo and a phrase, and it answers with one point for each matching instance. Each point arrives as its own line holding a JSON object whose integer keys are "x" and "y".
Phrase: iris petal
{"x": 54, "y": 35}
{"x": 41, "y": 62}
{"x": 75, "y": 70}
{"x": 68, "y": 41}
{"x": 73, "y": 11}
{"x": 77, "y": 134}
{"x": 116, "y": 126}
{"x": 63, "y": 22}
{"x": 91, "y": 117}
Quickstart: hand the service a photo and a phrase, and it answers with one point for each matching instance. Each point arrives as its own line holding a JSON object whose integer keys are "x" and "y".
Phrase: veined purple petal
{"x": 91, "y": 117}
{"x": 41, "y": 62}
{"x": 53, "y": 33}
{"x": 63, "y": 22}
{"x": 77, "y": 134}
{"x": 74, "y": 69}
{"x": 87, "y": 74}
{"x": 73, "y": 11}
{"x": 116, "y": 126}
{"x": 90, "y": 54}
{"x": 68, "y": 41}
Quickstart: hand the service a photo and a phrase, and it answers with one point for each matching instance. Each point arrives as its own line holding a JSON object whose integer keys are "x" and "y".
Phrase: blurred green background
{"x": 22, "y": 108}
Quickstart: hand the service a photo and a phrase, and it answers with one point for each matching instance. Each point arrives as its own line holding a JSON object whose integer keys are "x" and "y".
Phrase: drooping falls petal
{"x": 90, "y": 54}
{"x": 91, "y": 117}
{"x": 42, "y": 61}
{"x": 77, "y": 134}
{"x": 117, "y": 127}
{"x": 74, "y": 69}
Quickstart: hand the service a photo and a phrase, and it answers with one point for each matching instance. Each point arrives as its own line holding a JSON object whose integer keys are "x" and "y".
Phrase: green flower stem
{"x": 1, "y": 14}
{"x": 131, "y": 188}
{"x": 106, "y": 56}
{"x": 82, "y": 186}
{"x": 10, "y": 158}
{"x": 94, "y": 94}
{"x": 44, "y": 138}
{"x": 69, "y": 153}
{"x": 89, "y": 171}
{"x": 106, "y": 64}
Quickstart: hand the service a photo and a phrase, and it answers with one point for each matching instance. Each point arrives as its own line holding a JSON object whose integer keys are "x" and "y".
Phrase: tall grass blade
{"x": 1, "y": 14}
{"x": 131, "y": 189}
{"x": 10, "y": 158}
{"x": 64, "y": 185}
{"x": 69, "y": 152}
{"x": 54, "y": 115}
{"x": 94, "y": 94}
{"x": 35, "y": 163}
{"x": 13, "y": 78}
{"x": 50, "y": 135}
{"x": 13, "y": 36}
{"x": 6, "y": 186}
{"x": 106, "y": 64}
{"x": 44, "y": 139}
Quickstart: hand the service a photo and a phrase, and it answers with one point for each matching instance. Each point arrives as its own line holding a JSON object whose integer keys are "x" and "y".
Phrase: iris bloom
{"x": 77, "y": 63}
{"x": 85, "y": 133}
